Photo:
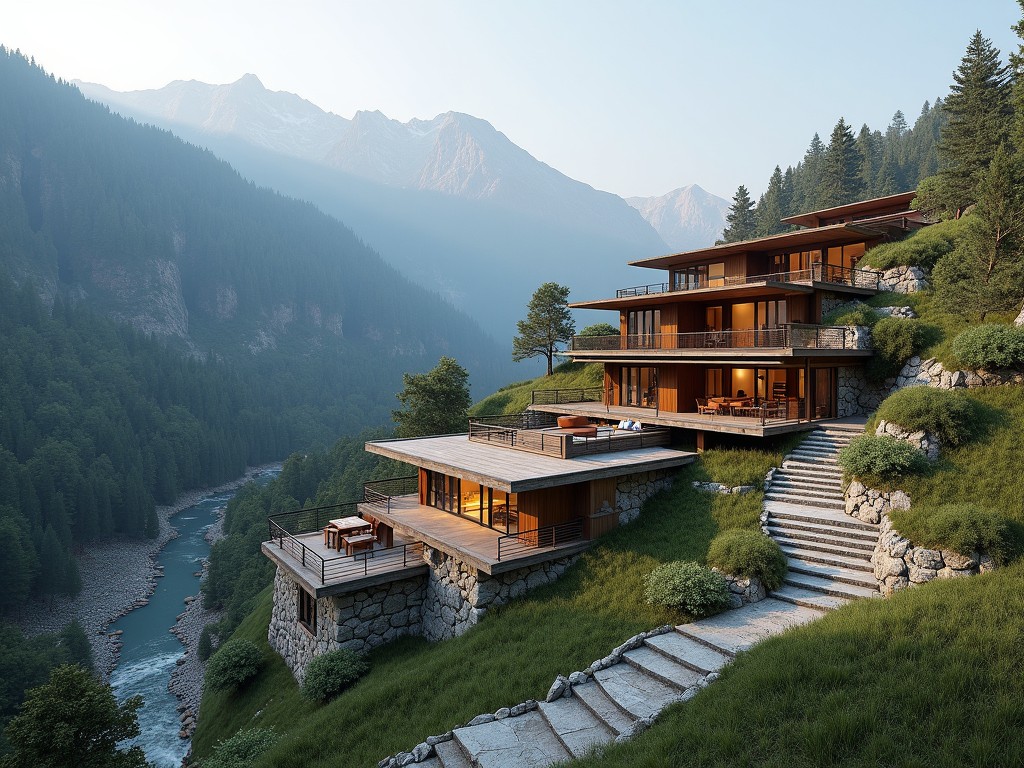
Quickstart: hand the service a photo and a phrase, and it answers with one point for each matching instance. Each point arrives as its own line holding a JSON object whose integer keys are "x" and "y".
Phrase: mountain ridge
{"x": 687, "y": 218}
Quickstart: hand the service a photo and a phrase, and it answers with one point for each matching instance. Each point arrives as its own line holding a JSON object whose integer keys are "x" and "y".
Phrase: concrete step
{"x": 825, "y": 536}
{"x": 451, "y": 755}
{"x": 593, "y": 697}
{"x": 829, "y": 440}
{"x": 807, "y": 489}
{"x": 663, "y": 668}
{"x": 854, "y": 576}
{"x": 829, "y": 587}
{"x": 825, "y": 549}
{"x": 579, "y": 729}
{"x": 809, "y": 598}
{"x": 812, "y": 467}
{"x": 812, "y": 456}
{"x": 807, "y": 501}
{"x": 734, "y": 631}
{"x": 856, "y": 561}
{"x": 688, "y": 652}
{"x": 637, "y": 694}
{"x": 826, "y": 517}
{"x": 808, "y": 481}
{"x": 526, "y": 741}
{"x": 430, "y": 762}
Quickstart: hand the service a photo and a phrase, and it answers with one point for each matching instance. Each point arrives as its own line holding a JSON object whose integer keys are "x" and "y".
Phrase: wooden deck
{"x": 736, "y": 425}
{"x": 344, "y": 574}
{"x": 517, "y": 471}
{"x": 461, "y": 538}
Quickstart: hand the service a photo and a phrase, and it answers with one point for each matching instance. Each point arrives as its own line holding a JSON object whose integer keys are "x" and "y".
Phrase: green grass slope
{"x": 415, "y": 689}
{"x": 514, "y": 398}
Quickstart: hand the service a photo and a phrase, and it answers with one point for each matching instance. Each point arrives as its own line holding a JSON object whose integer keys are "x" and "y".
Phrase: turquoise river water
{"x": 150, "y": 652}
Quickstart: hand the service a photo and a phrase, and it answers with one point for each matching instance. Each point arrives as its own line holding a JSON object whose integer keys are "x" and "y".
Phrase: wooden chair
{"x": 703, "y": 407}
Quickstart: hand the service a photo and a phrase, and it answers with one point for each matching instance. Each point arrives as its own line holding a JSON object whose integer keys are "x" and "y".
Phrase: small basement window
{"x": 307, "y": 610}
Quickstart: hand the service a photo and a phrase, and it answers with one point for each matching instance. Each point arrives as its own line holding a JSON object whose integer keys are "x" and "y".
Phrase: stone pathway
{"x": 621, "y": 695}
{"x": 828, "y": 551}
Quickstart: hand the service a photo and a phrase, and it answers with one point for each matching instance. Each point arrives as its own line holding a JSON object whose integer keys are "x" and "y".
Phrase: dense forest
{"x": 849, "y": 167}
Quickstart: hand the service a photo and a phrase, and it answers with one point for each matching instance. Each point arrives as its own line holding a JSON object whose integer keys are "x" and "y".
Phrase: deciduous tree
{"x": 548, "y": 324}
{"x": 436, "y": 403}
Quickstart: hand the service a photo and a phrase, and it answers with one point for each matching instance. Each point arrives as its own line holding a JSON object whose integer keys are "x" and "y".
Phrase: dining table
{"x": 342, "y": 526}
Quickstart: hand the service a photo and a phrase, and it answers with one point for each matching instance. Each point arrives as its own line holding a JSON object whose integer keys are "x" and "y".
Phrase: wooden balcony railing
{"x": 818, "y": 273}
{"x": 789, "y": 336}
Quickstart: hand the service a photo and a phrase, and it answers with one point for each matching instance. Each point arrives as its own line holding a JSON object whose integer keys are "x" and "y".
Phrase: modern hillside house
{"x": 731, "y": 338}
{"x": 482, "y": 518}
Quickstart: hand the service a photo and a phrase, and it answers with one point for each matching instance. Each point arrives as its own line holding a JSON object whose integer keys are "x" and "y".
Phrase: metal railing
{"x": 508, "y": 432}
{"x": 569, "y": 395}
{"x": 540, "y": 538}
{"x": 788, "y": 336}
{"x": 818, "y": 273}
{"x": 343, "y": 566}
{"x": 379, "y": 494}
{"x": 314, "y": 518}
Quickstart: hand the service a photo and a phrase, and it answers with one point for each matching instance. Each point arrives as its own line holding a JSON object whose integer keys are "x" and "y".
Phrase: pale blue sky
{"x": 635, "y": 98}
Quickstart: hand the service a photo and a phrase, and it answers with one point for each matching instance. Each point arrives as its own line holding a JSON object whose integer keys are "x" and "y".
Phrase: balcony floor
{"x": 361, "y": 572}
{"x": 462, "y": 538}
{"x": 736, "y": 425}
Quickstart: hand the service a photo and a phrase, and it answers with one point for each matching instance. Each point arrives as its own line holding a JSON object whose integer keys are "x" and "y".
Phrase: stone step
{"x": 816, "y": 468}
{"x": 663, "y": 668}
{"x": 430, "y": 762}
{"x": 829, "y": 587}
{"x": 827, "y": 517}
{"x": 596, "y": 700}
{"x": 812, "y": 456}
{"x": 856, "y": 561}
{"x": 826, "y": 536}
{"x": 688, "y": 652}
{"x": 526, "y": 741}
{"x": 840, "y": 549}
{"x": 451, "y": 755}
{"x": 809, "y": 598}
{"x": 808, "y": 481}
{"x": 807, "y": 501}
{"x": 637, "y": 694}
{"x": 734, "y": 631}
{"x": 807, "y": 489}
{"x": 820, "y": 438}
{"x": 854, "y": 576}
{"x": 579, "y": 729}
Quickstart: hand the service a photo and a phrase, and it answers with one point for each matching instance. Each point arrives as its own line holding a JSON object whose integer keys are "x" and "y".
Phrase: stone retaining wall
{"x": 855, "y": 394}
{"x": 903, "y": 279}
{"x": 632, "y": 491}
{"x": 920, "y": 439}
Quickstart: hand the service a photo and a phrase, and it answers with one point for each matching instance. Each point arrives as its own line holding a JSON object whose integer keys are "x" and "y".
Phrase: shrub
{"x": 331, "y": 673}
{"x": 599, "y": 329}
{"x": 750, "y": 554}
{"x": 689, "y": 587}
{"x": 895, "y": 341}
{"x": 952, "y": 417}
{"x": 963, "y": 528}
{"x": 881, "y": 457}
{"x": 235, "y": 663}
{"x": 205, "y": 645}
{"x": 923, "y": 249}
{"x": 857, "y": 313}
{"x": 990, "y": 346}
{"x": 242, "y": 749}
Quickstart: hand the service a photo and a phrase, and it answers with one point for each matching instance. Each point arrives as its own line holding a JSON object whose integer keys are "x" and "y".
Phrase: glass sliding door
{"x": 644, "y": 328}
{"x": 638, "y": 386}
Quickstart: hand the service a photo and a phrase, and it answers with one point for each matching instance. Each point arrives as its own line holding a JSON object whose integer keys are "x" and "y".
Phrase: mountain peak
{"x": 249, "y": 81}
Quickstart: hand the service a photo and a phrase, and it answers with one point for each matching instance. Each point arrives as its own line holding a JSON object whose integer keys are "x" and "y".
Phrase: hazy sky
{"x": 636, "y": 98}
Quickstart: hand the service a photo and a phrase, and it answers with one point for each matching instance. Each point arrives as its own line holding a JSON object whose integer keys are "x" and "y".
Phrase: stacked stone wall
{"x": 633, "y": 490}
{"x": 903, "y": 279}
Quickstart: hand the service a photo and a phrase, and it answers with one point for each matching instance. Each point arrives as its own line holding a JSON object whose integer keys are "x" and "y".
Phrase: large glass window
{"x": 699, "y": 276}
{"x": 644, "y": 328}
{"x": 479, "y": 503}
{"x": 638, "y": 386}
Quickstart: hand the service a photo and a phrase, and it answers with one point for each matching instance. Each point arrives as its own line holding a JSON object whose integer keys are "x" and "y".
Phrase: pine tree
{"x": 978, "y": 108}
{"x": 741, "y": 220}
{"x": 773, "y": 206}
{"x": 805, "y": 193}
{"x": 548, "y": 323}
{"x": 1017, "y": 93}
{"x": 869, "y": 144}
{"x": 841, "y": 164}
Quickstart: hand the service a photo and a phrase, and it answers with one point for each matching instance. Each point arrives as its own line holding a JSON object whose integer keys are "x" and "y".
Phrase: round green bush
{"x": 689, "y": 587}
{"x": 963, "y": 528}
{"x": 989, "y": 346}
{"x": 331, "y": 673}
{"x": 242, "y": 749}
{"x": 882, "y": 457}
{"x": 895, "y": 340}
{"x": 234, "y": 663}
{"x": 857, "y": 313}
{"x": 953, "y": 417}
{"x": 749, "y": 554}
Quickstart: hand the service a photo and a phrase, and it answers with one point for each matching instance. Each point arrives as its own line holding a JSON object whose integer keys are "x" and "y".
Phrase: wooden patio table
{"x": 336, "y": 529}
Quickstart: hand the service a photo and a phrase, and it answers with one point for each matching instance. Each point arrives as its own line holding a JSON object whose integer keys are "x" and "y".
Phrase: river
{"x": 150, "y": 652}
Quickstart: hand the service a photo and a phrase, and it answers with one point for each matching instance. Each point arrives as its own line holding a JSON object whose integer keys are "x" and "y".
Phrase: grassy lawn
{"x": 416, "y": 689}
{"x": 515, "y": 397}
{"x": 930, "y": 677}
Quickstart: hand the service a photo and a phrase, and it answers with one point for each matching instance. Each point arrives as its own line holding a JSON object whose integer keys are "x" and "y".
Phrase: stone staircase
{"x": 621, "y": 699}
{"x": 829, "y": 552}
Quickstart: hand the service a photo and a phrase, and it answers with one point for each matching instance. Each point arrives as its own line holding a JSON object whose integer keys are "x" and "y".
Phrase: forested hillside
{"x": 134, "y": 222}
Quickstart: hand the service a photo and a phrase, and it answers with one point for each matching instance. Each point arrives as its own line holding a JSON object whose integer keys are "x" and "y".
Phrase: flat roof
{"x": 852, "y": 209}
{"x": 833, "y": 233}
{"x": 514, "y": 471}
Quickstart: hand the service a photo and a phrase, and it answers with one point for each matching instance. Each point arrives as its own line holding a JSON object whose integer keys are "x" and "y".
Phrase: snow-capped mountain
{"x": 686, "y": 218}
